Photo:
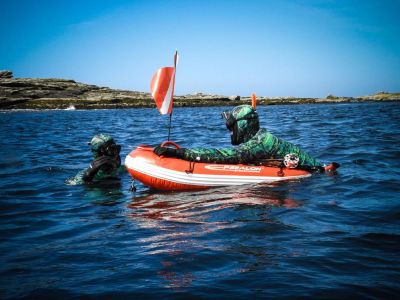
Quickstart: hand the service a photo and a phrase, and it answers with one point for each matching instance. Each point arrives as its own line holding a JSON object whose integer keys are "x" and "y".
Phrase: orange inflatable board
{"x": 171, "y": 174}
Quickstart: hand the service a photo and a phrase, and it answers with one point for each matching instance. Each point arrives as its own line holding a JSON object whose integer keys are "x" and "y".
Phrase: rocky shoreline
{"x": 50, "y": 93}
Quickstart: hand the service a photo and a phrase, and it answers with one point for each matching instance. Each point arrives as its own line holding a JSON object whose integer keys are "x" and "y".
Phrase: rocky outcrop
{"x": 382, "y": 96}
{"x": 6, "y": 74}
{"x": 31, "y": 93}
{"x": 50, "y": 93}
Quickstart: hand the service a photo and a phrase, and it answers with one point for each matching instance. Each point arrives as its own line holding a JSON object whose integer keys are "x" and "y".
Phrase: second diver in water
{"x": 106, "y": 161}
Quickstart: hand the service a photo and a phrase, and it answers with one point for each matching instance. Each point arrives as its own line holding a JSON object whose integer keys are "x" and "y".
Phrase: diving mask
{"x": 111, "y": 149}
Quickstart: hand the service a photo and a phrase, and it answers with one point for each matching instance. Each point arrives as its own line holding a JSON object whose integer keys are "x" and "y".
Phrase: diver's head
{"x": 243, "y": 123}
{"x": 104, "y": 145}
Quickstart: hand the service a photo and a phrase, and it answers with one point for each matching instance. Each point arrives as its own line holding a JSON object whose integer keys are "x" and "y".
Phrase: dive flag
{"x": 162, "y": 87}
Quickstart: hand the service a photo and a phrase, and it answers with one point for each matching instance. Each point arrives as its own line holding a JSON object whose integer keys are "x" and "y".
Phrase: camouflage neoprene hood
{"x": 243, "y": 122}
{"x": 99, "y": 142}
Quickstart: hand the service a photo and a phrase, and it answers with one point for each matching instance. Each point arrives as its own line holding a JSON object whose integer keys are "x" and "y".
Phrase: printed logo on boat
{"x": 231, "y": 168}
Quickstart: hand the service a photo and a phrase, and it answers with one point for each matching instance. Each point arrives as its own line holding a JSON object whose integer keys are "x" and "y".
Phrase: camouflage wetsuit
{"x": 263, "y": 145}
{"x": 254, "y": 144}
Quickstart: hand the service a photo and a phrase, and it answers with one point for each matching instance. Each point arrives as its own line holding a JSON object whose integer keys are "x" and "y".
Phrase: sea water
{"x": 326, "y": 236}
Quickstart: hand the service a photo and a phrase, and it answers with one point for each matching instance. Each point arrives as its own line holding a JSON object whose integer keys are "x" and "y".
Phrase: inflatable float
{"x": 172, "y": 174}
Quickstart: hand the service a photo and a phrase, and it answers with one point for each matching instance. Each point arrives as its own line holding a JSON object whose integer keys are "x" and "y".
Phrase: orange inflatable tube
{"x": 171, "y": 174}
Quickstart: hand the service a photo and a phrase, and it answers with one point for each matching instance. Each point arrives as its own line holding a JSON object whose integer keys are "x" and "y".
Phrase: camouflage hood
{"x": 243, "y": 122}
{"x": 99, "y": 141}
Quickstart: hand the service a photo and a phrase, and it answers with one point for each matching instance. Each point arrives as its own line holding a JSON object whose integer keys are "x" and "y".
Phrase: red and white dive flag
{"x": 162, "y": 87}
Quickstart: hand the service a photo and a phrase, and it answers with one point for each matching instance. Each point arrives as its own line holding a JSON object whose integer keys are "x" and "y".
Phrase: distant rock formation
{"x": 51, "y": 93}
{"x": 6, "y": 74}
{"x": 31, "y": 93}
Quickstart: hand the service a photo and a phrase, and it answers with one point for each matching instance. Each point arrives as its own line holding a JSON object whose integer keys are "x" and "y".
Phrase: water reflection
{"x": 199, "y": 206}
{"x": 188, "y": 229}
{"x": 172, "y": 275}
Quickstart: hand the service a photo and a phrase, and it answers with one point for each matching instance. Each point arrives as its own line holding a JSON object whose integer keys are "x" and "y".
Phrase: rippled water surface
{"x": 327, "y": 236}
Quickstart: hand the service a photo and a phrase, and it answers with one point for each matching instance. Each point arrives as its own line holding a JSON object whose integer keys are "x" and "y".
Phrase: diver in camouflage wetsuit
{"x": 106, "y": 162}
{"x": 254, "y": 144}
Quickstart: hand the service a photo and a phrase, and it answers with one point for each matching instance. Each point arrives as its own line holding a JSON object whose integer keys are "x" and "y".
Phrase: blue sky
{"x": 272, "y": 48}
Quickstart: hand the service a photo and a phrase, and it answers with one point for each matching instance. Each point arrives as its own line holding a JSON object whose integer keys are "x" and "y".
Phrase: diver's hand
{"x": 169, "y": 152}
{"x": 99, "y": 163}
{"x": 164, "y": 151}
{"x": 332, "y": 167}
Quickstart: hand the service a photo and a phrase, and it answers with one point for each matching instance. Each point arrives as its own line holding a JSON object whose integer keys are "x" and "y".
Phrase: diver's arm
{"x": 212, "y": 155}
{"x": 245, "y": 153}
{"x": 275, "y": 147}
{"x": 279, "y": 148}
{"x": 227, "y": 155}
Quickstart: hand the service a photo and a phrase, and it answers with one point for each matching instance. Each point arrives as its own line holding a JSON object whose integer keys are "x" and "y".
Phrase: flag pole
{"x": 170, "y": 125}
{"x": 173, "y": 88}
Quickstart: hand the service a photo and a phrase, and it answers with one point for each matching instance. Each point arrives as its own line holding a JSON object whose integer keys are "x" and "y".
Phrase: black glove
{"x": 169, "y": 152}
{"x": 102, "y": 162}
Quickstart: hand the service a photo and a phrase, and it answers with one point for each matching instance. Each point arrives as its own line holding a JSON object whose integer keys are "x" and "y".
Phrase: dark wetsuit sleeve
{"x": 89, "y": 174}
